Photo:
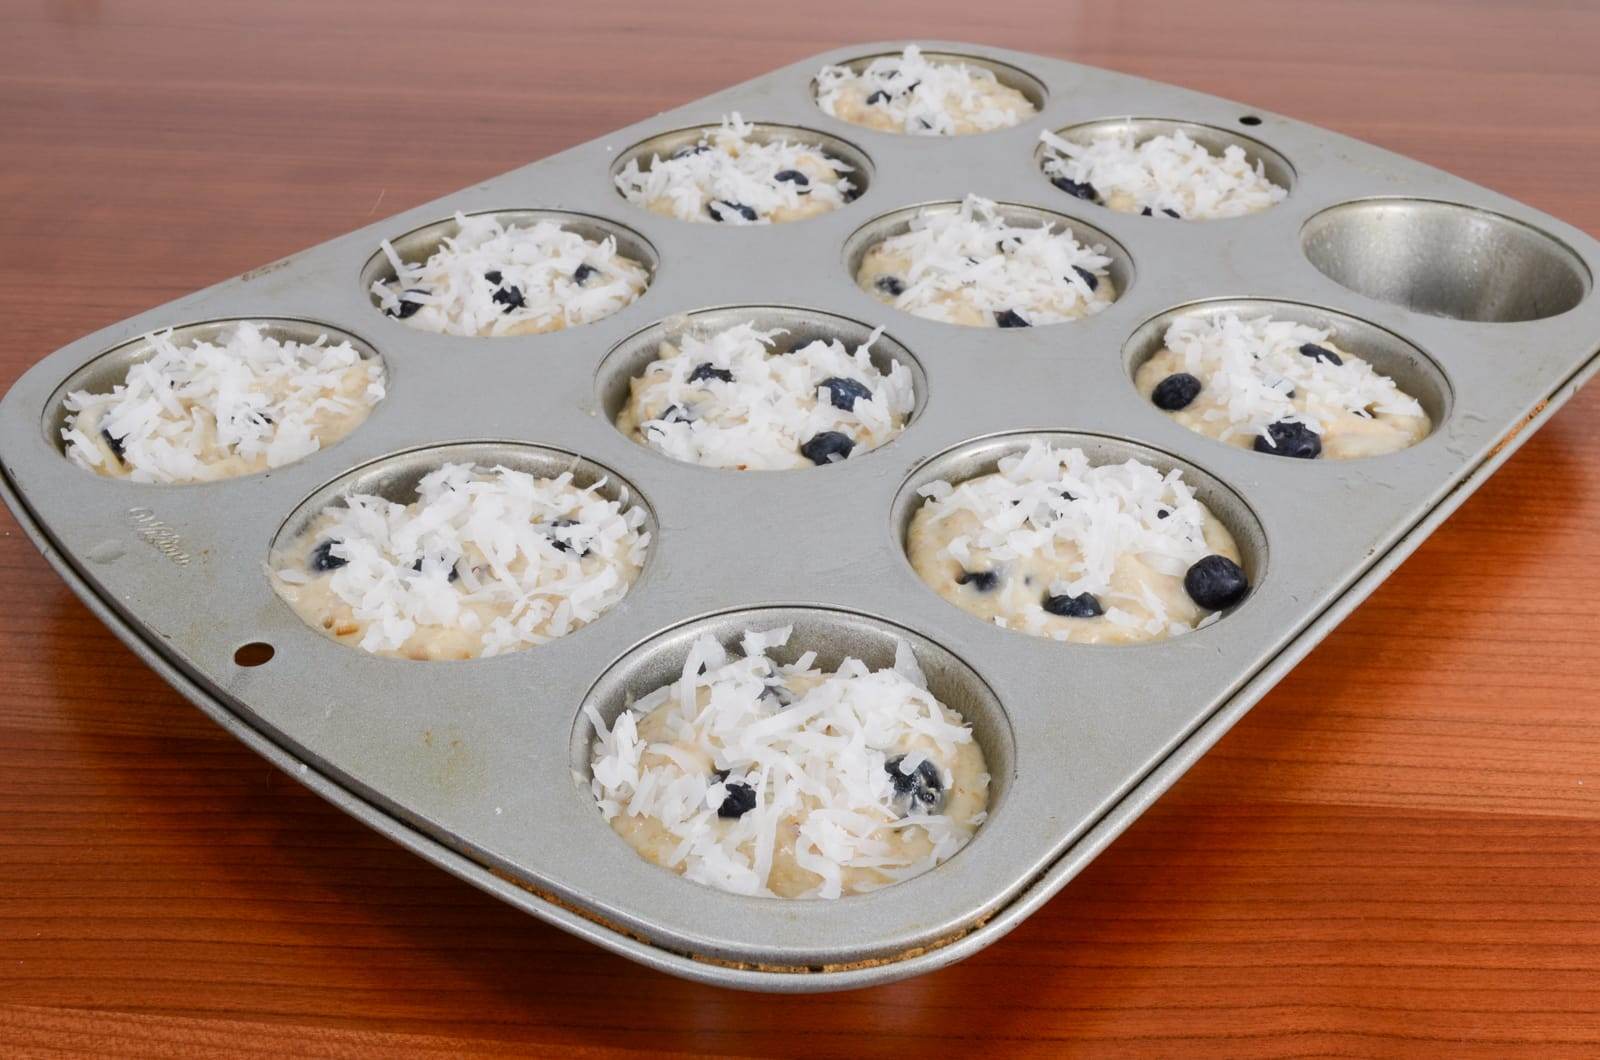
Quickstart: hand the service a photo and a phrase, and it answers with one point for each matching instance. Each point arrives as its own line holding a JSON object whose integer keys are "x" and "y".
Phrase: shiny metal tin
{"x": 1483, "y": 306}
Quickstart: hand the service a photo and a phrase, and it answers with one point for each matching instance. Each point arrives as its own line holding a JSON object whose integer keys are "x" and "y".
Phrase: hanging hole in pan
{"x": 256, "y": 653}
{"x": 1249, "y": 119}
{"x": 1446, "y": 260}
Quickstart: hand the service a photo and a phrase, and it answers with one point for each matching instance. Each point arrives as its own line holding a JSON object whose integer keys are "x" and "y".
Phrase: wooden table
{"x": 1397, "y": 851}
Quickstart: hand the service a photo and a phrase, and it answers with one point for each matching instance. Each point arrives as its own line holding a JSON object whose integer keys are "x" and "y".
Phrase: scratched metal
{"x": 1478, "y": 304}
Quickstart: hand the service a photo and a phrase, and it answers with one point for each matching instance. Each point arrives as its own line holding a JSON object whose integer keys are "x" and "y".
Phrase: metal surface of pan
{"x": 1480, "y": 306}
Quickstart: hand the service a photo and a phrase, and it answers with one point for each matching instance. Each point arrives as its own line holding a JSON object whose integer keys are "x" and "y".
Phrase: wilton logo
{"x": 158, "y": 535}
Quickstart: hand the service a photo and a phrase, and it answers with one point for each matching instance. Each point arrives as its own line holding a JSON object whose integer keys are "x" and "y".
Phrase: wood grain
{"x": 1397, "y": 852}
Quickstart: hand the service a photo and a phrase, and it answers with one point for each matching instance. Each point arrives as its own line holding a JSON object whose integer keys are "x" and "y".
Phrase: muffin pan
{"x": 1481, "y": 306}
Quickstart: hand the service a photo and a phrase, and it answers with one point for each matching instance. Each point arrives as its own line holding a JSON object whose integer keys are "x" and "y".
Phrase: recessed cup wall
{"x": 1445, "y": 260}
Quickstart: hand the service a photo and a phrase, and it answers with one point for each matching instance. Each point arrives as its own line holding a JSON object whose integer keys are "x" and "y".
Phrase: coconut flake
{"x": 816, "y": 761}
{"x": 1161, "y": 174}
{"x": 209, "y": 410}
{"x": 491, "y": 279}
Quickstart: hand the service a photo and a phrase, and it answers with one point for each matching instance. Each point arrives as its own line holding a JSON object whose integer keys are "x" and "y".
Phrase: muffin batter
{"x": 971, "y": 266}
{"x": 481, "y": 563}
{"x": 728, "y": 177}
{"x": 493, "y": 280}
{"x": 208, "y": 411}
{"x": 740, "y": 399}
{"x": 1163, "y": 176}
{"x": 784, "y": 781}
{"x": 1055, "y": 547}
{"x": 906, "y": 93}
{"x": 1279, "y": 387}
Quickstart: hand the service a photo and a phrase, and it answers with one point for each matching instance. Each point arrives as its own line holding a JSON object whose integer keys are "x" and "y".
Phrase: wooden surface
{"x": 1396, "y": 852}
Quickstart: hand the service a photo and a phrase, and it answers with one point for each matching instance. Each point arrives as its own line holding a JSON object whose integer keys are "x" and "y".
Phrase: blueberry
{"x": 893, "y": 286}
{"x": 1084, "y": 605}
{"x": 1320, "y": 353}
{"x": 879, "y": 96}
{"x": 924, "y": 123}
{"x": 1162, "y": 513}
{"x": 1146, "y": 212}
{"x": 454, "y": 574}
{"x": 114, "y": 444}
{"x": 920, "y": 792}
{"x": 1176, "y": 391}
{"x": 981, "y": 580}
{"x": 323, "y": 559}
{"x": 1288, "y": 438}
{"x": 825, "y": 445}
{"x": 740, "y": 800}
{"x": 494, "y": 276}
{"x": 509, "y": 297}
{"x": 1076, "y": 188}
{"x": 708, "y": 371}
{"x": 581, "y": 274}
{"x": 675, "y": 414}
{"x": 563, "y": 542}
{"x": 407, "y": 308}
{"x": 1089, "y": 278}
{"x": 844, "y": 393}
{"x": 1010, "y": 318}
{"x": 778, "y": 694}
{"x": 793, "y": 176}
{"x": 1169, "y": 211}
{"x": 1216, "y": 582}
{"x": 716, "y": 207}
{"x": 688, "y": 150}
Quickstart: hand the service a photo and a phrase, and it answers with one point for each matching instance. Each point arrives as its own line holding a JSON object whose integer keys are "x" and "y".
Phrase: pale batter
{"x": 784, "y": 781}
{"x": 1279, "y": 387}
{"x": 907, "y": 93}
{"x": 485, "y": 561}
{"x": 1056, "y": 547}
{"x": 495, "y": 280}
{"x": 971, "y": 266}
{"x": 741, "y": 398}
{"x": 214, "y": 410}
{"x": 1162, "y": 176}
{"x": 728, "y": 176}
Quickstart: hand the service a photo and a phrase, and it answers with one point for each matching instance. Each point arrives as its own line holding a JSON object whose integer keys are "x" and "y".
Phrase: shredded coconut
{"x": 1257, "y": 374}
{"x": 1084, "y": 522}
{"x": 907, "y": 93}
{"x": 211, "y": 410}
{"x": 739, "y": 399}
{"x": 491, "y": 279}
{"x": 483, "y": 562}
{"x": 1167, "y": 176}
{"x": 728, "y": 176}
{"x": 972, "y": 266}
{"x": 775, "y": 779}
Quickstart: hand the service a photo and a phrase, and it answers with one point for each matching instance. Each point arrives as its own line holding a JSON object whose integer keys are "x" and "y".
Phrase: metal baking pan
{"x": 1480, "y": 306}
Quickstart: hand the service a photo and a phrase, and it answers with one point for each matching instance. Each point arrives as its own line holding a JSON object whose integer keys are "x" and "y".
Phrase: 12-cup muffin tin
{"x": 1479, "y": 306}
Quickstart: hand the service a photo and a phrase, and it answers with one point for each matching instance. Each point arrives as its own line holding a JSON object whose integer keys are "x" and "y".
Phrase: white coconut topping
{"x": 811, "y": 746}
{"x": 973, "y": 258}
{"x": 728, "y": 176}
{"x": 1251, "y": 366}
{"x": 737, "y": 399}
{"x": 512, "y": 559}
{"x": 910, "y": 94}
{"x": 1162, "y": 176}
{"x": 1053, "y": 502}
{"x": 209, "y": 410}
{"x": 491, "y": 279}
